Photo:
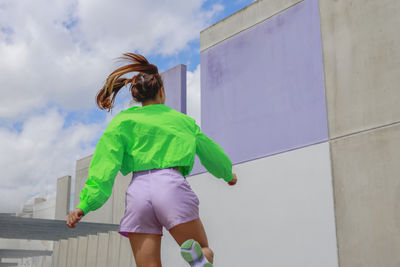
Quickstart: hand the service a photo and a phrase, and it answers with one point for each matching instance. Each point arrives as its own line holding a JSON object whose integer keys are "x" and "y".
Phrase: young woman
{"x": 157, "y": 144}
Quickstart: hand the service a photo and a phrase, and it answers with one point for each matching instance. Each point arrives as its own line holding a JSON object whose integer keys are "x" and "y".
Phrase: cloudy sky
{"x": 55, "y": 56}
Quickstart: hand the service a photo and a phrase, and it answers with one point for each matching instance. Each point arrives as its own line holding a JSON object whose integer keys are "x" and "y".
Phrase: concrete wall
{"x": 103, "y": 249}
{"x": 175, "y": 87}
{"x": 362, "y": 71}
{"x": 361, "y": 59}
{"x": 63, "y": 197}
{"x": 367, "y": 192}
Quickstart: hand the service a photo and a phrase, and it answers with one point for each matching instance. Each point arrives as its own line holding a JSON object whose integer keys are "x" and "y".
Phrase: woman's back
{"x": 156, "y": 136}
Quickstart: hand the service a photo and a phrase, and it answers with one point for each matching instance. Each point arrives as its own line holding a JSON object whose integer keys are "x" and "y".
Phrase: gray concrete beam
{"x": 23, "y": 253}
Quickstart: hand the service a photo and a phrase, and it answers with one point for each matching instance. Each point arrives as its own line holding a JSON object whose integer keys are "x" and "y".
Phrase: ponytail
{"x": 144, "y": 85}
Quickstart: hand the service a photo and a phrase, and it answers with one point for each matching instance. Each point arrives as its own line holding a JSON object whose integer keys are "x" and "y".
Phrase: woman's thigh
{"x": 146, "y": 249}
{"x": 190, "y": 230}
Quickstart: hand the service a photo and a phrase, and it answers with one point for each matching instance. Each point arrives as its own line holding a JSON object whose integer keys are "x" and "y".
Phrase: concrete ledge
{"x": 44, "y": 229}
{"x": 6, "y": 264}
{"x": 23, "y": 253}
{"x": 242, "y": 20}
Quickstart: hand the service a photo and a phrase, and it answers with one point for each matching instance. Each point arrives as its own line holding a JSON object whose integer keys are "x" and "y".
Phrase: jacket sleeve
{"x": 212, "y": 156}
{"x": 103, "y": 168}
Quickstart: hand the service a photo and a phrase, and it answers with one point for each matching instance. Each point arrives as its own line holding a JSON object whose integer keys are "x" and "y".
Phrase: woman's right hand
{"x": 234, "y": 180}
{"x": 73, "y": 217}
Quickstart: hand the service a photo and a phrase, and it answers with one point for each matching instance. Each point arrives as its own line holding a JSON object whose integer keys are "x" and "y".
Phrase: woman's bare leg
{"x": 193, "y": 230}
{"x": 146, "y": 249}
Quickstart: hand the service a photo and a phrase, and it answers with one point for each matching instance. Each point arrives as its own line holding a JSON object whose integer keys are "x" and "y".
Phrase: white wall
{"x": 280, "y": 213}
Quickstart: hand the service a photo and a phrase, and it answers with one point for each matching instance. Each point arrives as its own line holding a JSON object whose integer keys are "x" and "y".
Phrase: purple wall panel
{"x": 175, "y": 87}
{"x": 263, "y": 88}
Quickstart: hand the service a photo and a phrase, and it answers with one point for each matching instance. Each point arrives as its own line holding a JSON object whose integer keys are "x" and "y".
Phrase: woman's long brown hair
{"x": 144, "y": 85}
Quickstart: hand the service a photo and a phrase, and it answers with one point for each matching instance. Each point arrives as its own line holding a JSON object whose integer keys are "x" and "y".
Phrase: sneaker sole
{"x": 191, "y": 251}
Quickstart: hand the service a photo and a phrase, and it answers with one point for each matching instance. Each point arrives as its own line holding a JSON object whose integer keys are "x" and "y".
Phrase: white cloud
{"x": 59, "y": 53}
{"x": 193, "y": 95}
{"x": 43, "y": 151}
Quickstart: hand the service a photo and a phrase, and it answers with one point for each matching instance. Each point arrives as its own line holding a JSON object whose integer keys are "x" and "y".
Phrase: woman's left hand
{"x": 74, "y": 217}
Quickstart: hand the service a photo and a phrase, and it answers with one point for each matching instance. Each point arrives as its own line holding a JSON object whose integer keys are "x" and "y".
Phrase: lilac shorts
{"x": 157, "y": 198}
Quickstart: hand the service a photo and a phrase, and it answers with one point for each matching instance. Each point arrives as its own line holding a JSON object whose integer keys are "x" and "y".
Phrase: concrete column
{"x": 63, "y": 252}
{"x": 367, "y": 197}
{"x": 125, "y": 252}
{"x": 54, "y": 257}
{"x": 72, "y": 251}
{"x": 114, "y": 243}
{"x": 175, "y": 86}
{"x": 82, "y": 251}
{"x": 46, "y": 261}
{"x": 119, "y": 196}
{"x": 91, "y": 257}
{"x": 37, "y": 261}
{"x": 63, "y": 197}
{"x": 101, "y": 215}
{"x": 102, "y": 249}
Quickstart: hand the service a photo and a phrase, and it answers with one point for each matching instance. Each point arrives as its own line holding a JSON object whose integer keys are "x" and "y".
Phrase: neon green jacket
{"x": 149, "y": 137}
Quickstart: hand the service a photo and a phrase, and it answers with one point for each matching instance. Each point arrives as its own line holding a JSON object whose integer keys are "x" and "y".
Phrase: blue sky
{"x": 54, "y": 61}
